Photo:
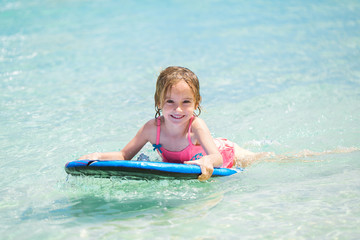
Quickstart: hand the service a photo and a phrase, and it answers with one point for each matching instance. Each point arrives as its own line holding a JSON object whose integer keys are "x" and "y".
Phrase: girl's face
{"x": 179, "y": 103}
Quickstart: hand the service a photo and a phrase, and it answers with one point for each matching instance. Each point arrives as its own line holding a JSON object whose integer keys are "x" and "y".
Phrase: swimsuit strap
{"x": 158, "y": 123}
{"x": 157, "y": 146}
{"x": 189, "y": 136}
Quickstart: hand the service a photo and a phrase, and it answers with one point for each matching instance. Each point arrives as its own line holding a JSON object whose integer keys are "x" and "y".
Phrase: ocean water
{"x": 79, "y": 76}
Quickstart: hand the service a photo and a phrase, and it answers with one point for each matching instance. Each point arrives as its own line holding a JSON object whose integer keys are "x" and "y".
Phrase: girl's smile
{"x": 177, "y": 117}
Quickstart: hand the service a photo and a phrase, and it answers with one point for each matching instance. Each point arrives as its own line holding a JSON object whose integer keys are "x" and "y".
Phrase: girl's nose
{"x": 178, "y": 108}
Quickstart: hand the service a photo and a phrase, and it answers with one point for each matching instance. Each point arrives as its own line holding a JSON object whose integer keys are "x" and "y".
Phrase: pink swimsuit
{"x": 194, "y": 152}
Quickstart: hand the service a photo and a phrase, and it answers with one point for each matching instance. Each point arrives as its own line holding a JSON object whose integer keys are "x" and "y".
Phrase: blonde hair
{"x": 171, "y": 76}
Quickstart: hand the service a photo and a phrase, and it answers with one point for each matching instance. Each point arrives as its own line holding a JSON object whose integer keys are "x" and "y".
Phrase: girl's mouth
{"x": 177, "y": 116}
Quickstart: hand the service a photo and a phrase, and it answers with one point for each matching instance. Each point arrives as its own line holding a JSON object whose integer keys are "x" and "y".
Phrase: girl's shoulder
{"x": 148, "y": 130}
{"x": 200, "y": 130}
{"x": 151, "y": 124}
{"x": 198, "y": 123}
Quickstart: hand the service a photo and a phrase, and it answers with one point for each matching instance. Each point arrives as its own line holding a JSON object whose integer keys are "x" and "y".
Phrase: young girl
{"x": 177, "y": 133}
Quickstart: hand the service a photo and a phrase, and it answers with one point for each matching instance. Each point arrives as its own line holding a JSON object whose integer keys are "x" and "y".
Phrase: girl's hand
{"x": 206, "y": 167}
{"x": 92, "y": 156}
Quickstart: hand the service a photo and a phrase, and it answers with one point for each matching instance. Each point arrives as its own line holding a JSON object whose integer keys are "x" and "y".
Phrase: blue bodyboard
{"x": 140, "y": 169}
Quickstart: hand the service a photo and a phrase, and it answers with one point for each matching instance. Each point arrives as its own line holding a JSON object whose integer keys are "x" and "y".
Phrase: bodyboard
{"x": 140, "y": 169}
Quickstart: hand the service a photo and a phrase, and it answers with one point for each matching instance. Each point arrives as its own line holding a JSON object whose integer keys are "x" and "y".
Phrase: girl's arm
{"x": 129, "y": 151}
{"x": 213, "y": 157}
{"x": 103, "y": 156}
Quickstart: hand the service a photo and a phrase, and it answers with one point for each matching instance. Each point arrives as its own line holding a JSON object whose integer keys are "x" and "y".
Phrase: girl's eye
{"x": 169, "y": 101}
{"x": 187, "y": 101}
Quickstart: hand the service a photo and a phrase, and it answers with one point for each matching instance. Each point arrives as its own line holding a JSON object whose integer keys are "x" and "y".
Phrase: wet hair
{"x": 171, "y": 76}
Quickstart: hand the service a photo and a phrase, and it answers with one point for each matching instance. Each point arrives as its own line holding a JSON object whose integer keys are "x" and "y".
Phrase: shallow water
{"x": 79, "y": 76}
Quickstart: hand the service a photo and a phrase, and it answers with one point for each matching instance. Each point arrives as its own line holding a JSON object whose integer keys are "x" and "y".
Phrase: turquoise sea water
{"x": 79, "y": 76}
